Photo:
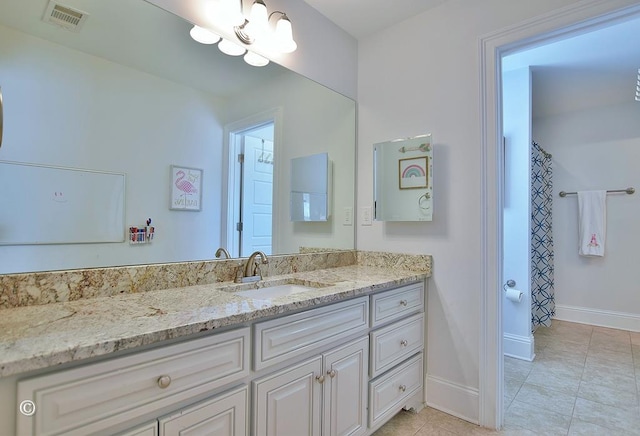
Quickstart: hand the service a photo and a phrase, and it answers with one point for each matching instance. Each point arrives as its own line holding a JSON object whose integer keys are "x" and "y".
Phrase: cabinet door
{"x": 223, "y": 415}
{"x": 288, "y": 402}
{"x": 149, "y": 429}
{"x": 345, "y": 395}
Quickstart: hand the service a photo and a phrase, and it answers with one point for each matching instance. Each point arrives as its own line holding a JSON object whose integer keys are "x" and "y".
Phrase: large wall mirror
{"x": 130, "y": 92}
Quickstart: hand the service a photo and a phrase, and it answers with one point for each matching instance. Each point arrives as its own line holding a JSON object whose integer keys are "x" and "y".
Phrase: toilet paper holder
{"x": 510, "y": 283}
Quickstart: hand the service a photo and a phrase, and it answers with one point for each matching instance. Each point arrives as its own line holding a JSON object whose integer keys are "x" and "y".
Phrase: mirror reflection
{"x": 130, "y": 92}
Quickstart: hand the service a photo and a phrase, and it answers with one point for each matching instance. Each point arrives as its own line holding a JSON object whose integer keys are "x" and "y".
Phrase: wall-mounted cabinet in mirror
{"x": 403, "y": 181}
{"x": 132, "y": 93}
{"x": 310, "y": 182}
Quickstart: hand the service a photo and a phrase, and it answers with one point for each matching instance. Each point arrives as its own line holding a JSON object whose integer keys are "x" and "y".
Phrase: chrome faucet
{"x": 222, "y": 251}
{"x": 251, "y": 271}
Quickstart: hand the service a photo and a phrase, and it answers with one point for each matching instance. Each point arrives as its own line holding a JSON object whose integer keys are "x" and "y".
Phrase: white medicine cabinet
{"x": 403, "y": 179}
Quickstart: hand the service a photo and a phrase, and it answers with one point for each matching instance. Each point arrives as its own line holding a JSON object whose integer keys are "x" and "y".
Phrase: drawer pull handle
{"x": 402, "y": 388}
{"x": 331, "y": 373}
{"x": 164, "y": 381}
{"x": 403, "y": 302}
{"x": 320, "y": 379}
{"x": 404, "y": 342}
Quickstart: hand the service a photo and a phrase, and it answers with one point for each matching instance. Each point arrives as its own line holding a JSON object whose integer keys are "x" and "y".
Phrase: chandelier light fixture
{"x": 269, "y": 32}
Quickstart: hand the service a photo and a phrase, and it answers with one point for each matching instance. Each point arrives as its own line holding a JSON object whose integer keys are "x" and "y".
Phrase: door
{"x": 257, "y": 195}
{"x": 345, "y": 396}
{"x": 289, "y": 402}
{"x": 251, "y": 185}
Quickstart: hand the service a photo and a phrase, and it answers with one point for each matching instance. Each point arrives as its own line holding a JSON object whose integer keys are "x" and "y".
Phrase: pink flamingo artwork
{"x": 184, "y": 185}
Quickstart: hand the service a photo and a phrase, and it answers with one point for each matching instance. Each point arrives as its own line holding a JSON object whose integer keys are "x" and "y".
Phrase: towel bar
{"x": 628, "y": 191}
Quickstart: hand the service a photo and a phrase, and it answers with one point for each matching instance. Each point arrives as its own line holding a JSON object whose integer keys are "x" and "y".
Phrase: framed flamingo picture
{"x": 186, "y": 188}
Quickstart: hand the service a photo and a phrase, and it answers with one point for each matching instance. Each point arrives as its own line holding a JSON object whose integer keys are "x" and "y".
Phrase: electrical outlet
{"x": 366, "y": 216}
{"x": 348, "y": 216}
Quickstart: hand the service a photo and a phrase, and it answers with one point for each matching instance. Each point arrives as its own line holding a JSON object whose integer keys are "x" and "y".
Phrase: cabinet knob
{"x": 320, "y": 379}
{"x": 402, "y": 388}
{"x": 164, "y": 381}
{"x": 403, "y": 302}
{"x": 404, "y": 342}
{"x": 331, "y": 373}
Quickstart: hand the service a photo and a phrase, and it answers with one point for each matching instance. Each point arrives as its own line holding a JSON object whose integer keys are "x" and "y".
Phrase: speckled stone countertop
{"x": 42, "y": 336}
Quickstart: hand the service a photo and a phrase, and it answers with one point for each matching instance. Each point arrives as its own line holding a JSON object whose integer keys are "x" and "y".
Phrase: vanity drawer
{"x": 284, "y": 338}
{"x": 397, "y": 303}
{"x": 97, "y": 396}
{"x": 388, "y": 393}
{"x": 392, "y": 344}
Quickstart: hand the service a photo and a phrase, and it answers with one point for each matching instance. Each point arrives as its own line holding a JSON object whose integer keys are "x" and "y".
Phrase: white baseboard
{"x": 602, "y": 318}
{"x": 520, "y": 347}
{"x": 452, "y": 398}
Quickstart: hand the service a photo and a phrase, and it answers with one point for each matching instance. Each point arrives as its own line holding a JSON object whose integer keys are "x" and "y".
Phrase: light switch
{"x": 348, "y": 216}
{"x": 366, "y": 216}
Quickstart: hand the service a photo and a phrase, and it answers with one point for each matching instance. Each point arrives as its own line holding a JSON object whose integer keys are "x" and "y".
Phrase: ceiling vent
{"x": 64, "y": 16}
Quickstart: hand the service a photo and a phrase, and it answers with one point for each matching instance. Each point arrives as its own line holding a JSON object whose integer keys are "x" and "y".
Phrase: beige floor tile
{"x": 511, "y": 388}
{"x": 535, "y": 419}
{"x": 610, "y": 348}
{"x": 611, "y": 395}
{"x": 559, "y": 364}
{"x": 635, "y": 351}
{"x": 431, "y": 430}
{"x": 575, "y": 349}
{"x": 615, "y": 418}
{"x": 516, "y": 431}
{"x": 610, "y": 334}
{"x": 546, "y": 398}
{"x": 579, "y": 427}
{"x": 404, "y": 423}
{"x": 621, "y": 379}
{"x": 620, "y": 362}
{"x": 635, "y": 338}
{"x": 562, "y": 382}
{"x": 517, "y": 368}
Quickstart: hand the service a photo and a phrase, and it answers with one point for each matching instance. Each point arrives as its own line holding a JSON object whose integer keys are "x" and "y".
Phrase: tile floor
{"x": 584, "y": 381}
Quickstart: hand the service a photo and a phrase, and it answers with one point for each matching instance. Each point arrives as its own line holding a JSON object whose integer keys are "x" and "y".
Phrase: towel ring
{"x": 423, "y": 201}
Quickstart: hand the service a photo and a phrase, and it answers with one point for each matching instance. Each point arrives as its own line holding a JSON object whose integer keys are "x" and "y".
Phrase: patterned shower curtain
{"x": 542, "y": 299}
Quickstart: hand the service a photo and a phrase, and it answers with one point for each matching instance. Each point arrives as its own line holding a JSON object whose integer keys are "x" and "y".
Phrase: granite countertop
{"x": 37, "y": 337}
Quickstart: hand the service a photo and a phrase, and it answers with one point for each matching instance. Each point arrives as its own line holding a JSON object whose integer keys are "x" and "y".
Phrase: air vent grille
{"x": 64, "y": 16}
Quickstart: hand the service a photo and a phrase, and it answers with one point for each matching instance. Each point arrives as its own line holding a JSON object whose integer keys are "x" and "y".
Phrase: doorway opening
{"x": 567, "y": 22}
{"x": 251, "y": 158}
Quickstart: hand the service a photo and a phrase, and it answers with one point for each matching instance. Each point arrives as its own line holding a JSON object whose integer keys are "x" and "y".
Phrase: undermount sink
{"x": 280, "y": 290}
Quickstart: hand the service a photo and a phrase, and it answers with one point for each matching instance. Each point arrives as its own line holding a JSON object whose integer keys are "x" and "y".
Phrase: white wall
{"x": 423, "y": 76}
{"x": 133, "y": 123}
{"x": 596, "y": 148}
{"x": 301, "y": 100}
{"x": 516, "y": 118}
{"x": 326, "y": 53}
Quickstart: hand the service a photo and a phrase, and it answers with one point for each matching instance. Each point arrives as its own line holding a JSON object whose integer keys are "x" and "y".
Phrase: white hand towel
{"x": 592, "y": 222}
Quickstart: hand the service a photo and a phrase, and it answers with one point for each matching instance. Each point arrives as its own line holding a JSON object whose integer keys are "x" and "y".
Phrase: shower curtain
{"x": 542, "y": 299}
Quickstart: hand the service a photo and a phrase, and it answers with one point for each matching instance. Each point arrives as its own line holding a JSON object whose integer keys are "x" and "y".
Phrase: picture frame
{"x": 413, "y": 172}
{"x": 186, "y": 188}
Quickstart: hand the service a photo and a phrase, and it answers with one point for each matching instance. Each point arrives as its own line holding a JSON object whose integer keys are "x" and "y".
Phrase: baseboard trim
{"x": 602, "y": 318}
{"x": 519, "y": 347}
{"x": 452, "y": 398}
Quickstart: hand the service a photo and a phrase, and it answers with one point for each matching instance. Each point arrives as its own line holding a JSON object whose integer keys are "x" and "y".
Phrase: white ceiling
{"x": 362, "y": 18}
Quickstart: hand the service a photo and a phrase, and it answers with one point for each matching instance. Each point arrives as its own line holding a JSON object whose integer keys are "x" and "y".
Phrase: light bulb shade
{"x": 231, "y": 12}
{"x": 258, "y": 19}
{"x": 284, "y": 35}
{"x": 255, "y": 59}
{"x": 203, "y": 36}
{"x": 231, "y": 48}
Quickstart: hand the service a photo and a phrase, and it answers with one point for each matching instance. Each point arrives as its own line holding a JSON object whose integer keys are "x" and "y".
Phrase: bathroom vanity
{"x": 333, "y": 360}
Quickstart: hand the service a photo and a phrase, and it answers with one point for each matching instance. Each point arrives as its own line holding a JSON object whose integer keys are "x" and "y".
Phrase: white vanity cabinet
{"x": 397, "y": 352}
{"x": 324, "y": 395}
{"x": 99, "y": 397}
{"x": 341, "y": 369}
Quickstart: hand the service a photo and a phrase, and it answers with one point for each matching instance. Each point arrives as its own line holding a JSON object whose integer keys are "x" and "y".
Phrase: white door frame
{"x": 571, "y": 20}
{"x": 229, "y": 175}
